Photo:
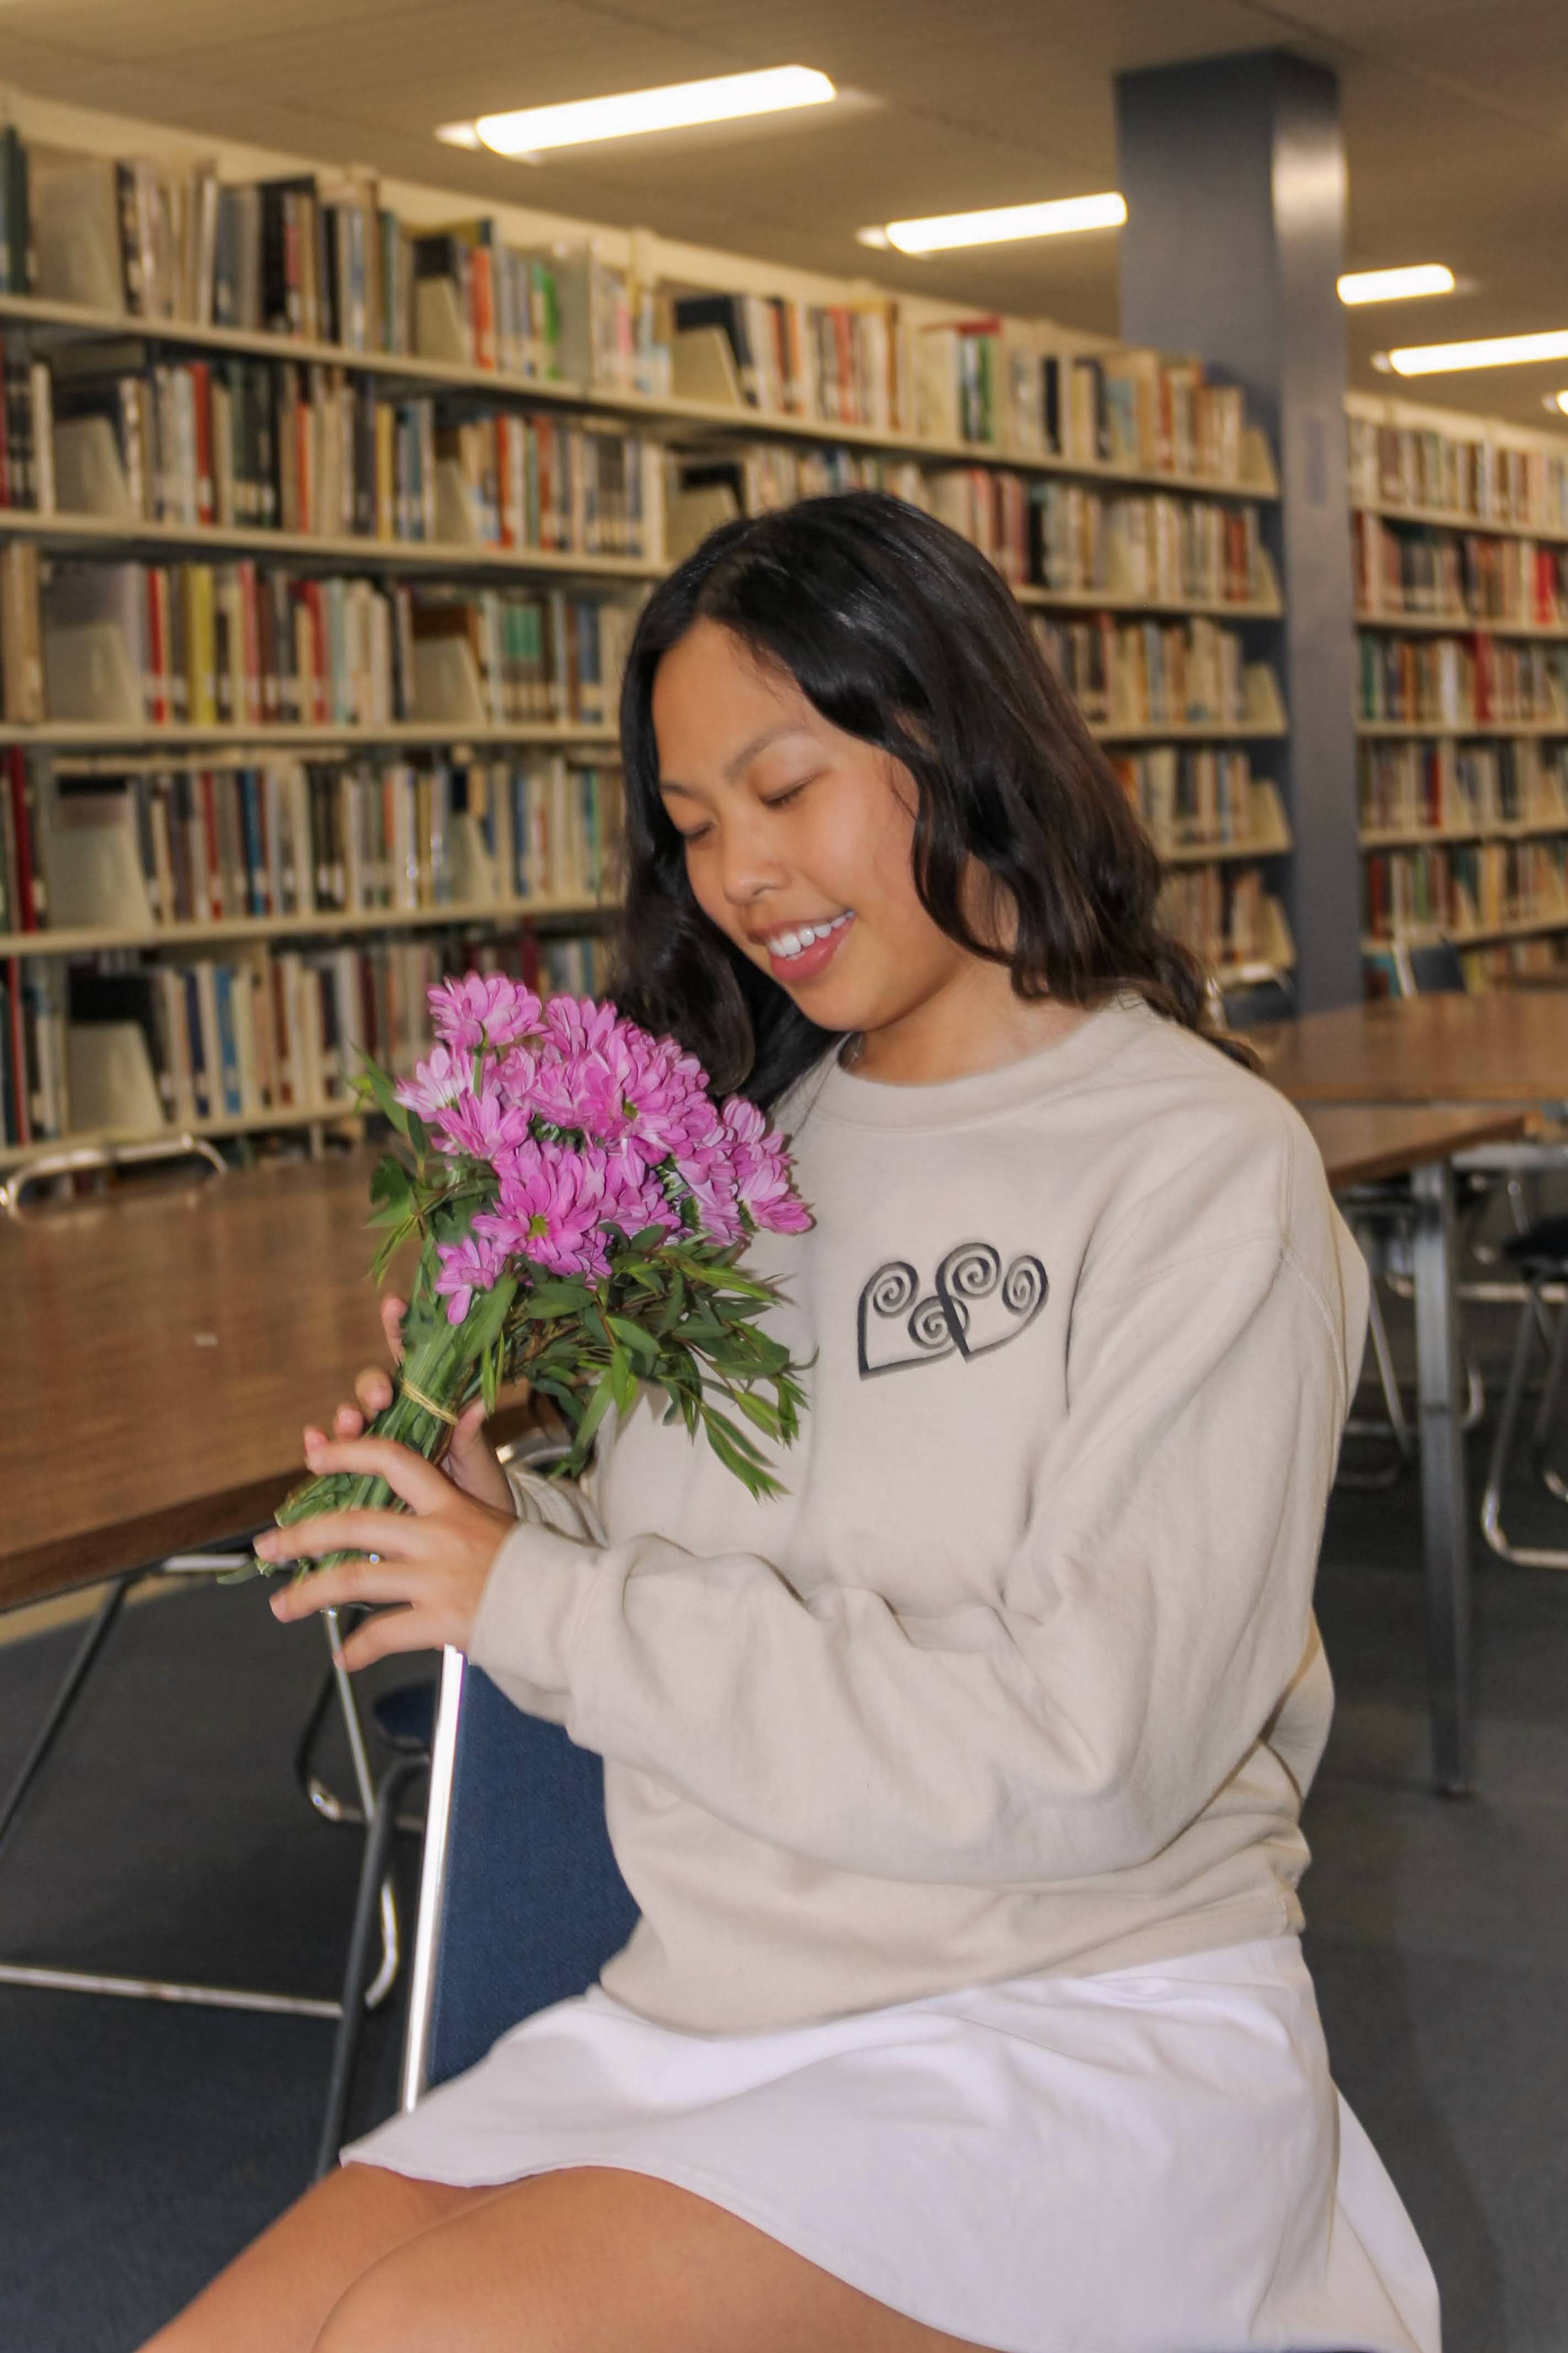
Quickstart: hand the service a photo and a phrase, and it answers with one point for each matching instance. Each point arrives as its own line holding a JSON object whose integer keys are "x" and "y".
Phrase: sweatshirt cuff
{"x": 529, "y": 1613}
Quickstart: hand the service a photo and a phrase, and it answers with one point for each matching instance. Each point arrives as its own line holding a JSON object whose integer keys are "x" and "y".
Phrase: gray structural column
{"x": 1234, "y": 175}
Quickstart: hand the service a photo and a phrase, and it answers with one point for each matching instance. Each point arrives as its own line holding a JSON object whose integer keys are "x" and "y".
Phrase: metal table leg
{"x": 1444, "y": 1505}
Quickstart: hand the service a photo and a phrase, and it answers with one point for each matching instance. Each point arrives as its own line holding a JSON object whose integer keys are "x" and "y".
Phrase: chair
{"x": 1540, "y": 1255}
{"x": 105, "y": 1165}
{"x": 1259, "y": 995}
{"x": 1380, "y": 1216}
{"x": 521, "y": 1901}
{"x": 1430, "y": 968}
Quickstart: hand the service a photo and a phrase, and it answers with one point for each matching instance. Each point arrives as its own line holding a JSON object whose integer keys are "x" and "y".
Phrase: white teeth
{"x": 789, "y": 944}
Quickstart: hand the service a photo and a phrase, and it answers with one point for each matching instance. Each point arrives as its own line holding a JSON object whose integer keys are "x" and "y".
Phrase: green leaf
{"x": 714, "y": 1421}
{"x": 593, "y": 1414}
{"x": 759, "y": 1412}
{"x": 491, "y": 1368}
{"x": 390, "y": 1187}
{"x": 675, "y": 1306}
{"x": 374, "y": 1083}
{"x": 623, "y": 1382}
{"x": 482, "y": 1325}
{"x": 632, "y": 1335}
{"x": 546, "y": 1301}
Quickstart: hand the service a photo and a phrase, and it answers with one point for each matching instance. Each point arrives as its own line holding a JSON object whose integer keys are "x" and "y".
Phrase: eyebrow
{"x": 747, "y": 752}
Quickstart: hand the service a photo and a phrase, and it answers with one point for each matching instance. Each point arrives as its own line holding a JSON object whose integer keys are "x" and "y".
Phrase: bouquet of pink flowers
{"x": 582, "y": 1204}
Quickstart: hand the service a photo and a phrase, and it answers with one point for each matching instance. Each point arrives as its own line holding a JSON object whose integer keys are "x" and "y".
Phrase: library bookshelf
{"x": 413, "y": 430}
{"x": 1460, "y": 535}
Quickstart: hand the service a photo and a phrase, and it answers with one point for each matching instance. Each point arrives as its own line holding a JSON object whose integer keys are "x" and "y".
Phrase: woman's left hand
{"x": 432, "y": 1560}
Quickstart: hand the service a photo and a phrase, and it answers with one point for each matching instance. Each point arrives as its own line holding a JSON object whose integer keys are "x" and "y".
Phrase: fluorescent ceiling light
{"x": 1395, "y": 285}
{"x": 531, "y": 129}
{"x": 998, "y": 226}
{"x": 1558, "y": 401}
{"x": 1497, "y": 351}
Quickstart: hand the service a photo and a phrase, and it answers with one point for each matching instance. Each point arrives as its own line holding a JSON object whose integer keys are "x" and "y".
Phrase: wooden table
{"x": 162, "y": 1348}
{"x": 1501, "y": 1048}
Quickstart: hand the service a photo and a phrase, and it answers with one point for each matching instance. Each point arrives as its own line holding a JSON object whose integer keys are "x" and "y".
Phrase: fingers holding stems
{"x": 426, "y": 1567}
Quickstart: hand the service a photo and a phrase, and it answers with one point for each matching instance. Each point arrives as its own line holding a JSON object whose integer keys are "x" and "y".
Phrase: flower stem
{"x": 438, "y": 1360}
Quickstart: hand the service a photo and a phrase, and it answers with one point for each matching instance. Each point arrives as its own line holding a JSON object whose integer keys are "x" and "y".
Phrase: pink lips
{"x": 793, "y": 970}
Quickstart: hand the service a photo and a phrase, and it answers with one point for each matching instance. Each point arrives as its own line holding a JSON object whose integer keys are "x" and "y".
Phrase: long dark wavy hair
{"x": 900, "y": 633}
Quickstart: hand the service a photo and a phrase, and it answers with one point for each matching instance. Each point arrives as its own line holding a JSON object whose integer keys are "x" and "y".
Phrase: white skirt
{"x": 1151, "y": 2161}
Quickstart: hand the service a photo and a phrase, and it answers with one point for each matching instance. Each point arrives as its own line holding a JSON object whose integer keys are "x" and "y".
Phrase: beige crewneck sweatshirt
{"x": 1021, "y": 1675}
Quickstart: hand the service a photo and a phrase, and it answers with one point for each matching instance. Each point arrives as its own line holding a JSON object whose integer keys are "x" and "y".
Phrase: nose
{"x": 749, "y": 865}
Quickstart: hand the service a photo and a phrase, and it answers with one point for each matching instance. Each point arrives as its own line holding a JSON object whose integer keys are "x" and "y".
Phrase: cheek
{"x": 705, "y": 877}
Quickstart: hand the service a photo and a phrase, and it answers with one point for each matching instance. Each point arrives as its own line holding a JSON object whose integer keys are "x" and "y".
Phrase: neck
{"x": 975, "y": 1022}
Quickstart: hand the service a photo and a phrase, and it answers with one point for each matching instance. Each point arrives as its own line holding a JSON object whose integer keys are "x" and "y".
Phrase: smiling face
{"x": 798, "y": 843}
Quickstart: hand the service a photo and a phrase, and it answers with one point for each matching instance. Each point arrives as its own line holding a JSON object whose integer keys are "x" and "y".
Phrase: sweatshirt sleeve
{"x": 1148, "y": 1625}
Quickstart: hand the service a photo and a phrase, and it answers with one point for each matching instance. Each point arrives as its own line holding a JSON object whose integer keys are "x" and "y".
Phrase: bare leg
{"x": 593, "y": 2261}
{"x": 274, "y": 2298}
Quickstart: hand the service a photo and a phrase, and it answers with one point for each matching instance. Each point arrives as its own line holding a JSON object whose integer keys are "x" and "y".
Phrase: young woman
{"x": 960, "y": 1786}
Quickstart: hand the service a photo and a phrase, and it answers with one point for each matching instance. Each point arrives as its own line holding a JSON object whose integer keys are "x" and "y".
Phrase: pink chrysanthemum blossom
{"x": 760, "y": 1170}
{"x": 483, "y": 1005}
{"x": 475, "y": 1263}
{"x": 516, "y": 1077}
{"x": 445, "y": 1079}
{"x": 484, "y": 1125}
{"x": 623, "y": 1090}
{"x": 711, "y": 1182}
{"x": 576, "y": 1024}
{"x": 551, "y": 1202}
{"x": 634, "y": 1197}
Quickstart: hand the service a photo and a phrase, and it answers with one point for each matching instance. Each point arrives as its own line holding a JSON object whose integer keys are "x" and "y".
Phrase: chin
{"x": 841, "y": 1011}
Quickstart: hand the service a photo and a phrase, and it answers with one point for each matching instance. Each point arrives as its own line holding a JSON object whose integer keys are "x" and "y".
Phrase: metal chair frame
{"x": 98, "y": 1160}
{"x": 105, "y": 1161}
{"x": 67, "y": 1692}
{"x": 1534, "y": 1322}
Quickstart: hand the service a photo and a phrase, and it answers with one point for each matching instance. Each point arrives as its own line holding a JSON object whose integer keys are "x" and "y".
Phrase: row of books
{"x": 208, "y": 844}
{"x": 1048, "y": 534}
{"x": 1411, "y": 788}
{"x": 1001, "y": 384}
{"x": 1507, "y": 961}
{"x": 113, "y": 1043}
{"x": 252, "y": 645}
{"x": 1456, "y": 575}
{"x": 834, "y": 363}
{"x": 1195, "y": 550}
{"x": 18, "y": 263}
{"x": 323, "y": 256}
{"x": 325, "y": 259}
{"x": 1475, "y": 474}
{"x": 26, "y": 433}
{"x": 1461, "y": 682}
{"x": 989, "y": 509}
{"x": 1226, "y": 916}
{"x": 1193, "y": 798}
{"x": 716, "y": 486}
{"x": 1147, "y": 673}
{"x": 1135, "y": 408}
{"x": 1465, "y": 887}
{"x": 311, "y": 448}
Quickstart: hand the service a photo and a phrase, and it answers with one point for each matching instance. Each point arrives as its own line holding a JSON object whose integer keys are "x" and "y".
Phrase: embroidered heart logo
{"x": 975, "y": 1306}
